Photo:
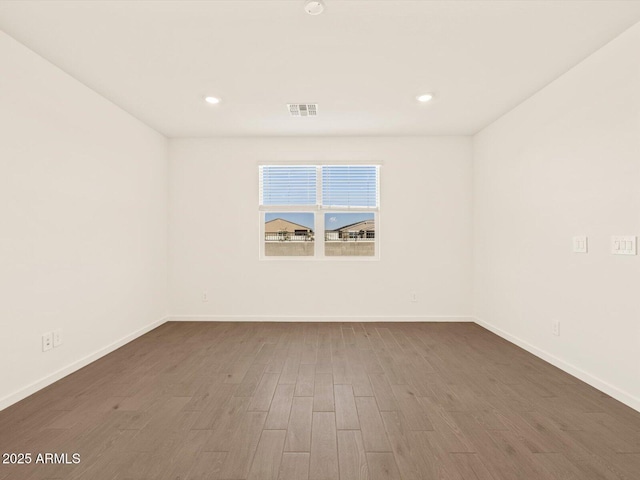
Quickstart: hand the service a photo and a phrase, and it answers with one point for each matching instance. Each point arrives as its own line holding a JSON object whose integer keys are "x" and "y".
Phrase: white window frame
{"x": 319, "y": 212}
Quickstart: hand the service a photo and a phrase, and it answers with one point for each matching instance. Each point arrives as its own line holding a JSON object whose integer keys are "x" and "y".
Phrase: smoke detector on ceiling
{"x": 303, "y": 109}
{"x": 314, "y": 7}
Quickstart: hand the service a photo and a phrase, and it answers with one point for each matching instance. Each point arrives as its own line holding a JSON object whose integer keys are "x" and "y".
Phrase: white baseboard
{"x": 309, "y": 318}
{"x": 586, "y": 377}
{"x": 77, "y": 365}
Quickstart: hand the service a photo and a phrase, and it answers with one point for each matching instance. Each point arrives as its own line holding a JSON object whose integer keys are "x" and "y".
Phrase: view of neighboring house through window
{"x": 349, "y": 234}
{"x": 288, "y": 234}
{"x": 340, "y": 202}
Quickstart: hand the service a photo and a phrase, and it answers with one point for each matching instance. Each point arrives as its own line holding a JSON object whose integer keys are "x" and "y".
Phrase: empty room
{"x": 319, "y": 240}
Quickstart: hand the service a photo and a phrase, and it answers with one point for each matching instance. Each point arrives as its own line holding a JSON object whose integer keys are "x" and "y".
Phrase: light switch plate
{"x": 623, "y": 245}
{"x": 580, "y": 244}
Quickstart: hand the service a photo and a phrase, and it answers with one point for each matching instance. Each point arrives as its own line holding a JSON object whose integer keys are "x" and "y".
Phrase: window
{"x": 319, "y": 211}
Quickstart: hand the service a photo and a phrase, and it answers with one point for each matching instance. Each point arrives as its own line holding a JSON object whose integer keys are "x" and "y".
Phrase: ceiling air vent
{"x": 303, "y": 109}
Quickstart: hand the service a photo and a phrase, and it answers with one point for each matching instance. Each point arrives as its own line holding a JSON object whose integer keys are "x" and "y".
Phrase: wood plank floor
{"x": 307, "y": 401}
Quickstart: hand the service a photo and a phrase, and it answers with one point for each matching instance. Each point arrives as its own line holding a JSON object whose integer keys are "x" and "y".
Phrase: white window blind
{"x": 350, "y": 186}
{"x": 288, "y": 185}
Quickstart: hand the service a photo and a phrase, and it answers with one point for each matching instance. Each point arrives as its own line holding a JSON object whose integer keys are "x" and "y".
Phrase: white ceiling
{"x": 363, "y": 62}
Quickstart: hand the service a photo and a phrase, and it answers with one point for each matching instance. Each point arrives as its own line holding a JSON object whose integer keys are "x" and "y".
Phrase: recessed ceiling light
{"x": 212, "y": 100}
{"x": 314, "y": 7}
{"x": 424, "y": 98}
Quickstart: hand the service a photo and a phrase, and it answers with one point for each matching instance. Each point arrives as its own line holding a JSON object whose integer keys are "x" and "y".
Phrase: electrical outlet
{"x": 413, "y": 296}
{"x": 205, "y": 297}
{"x": 57, "y": 338}
{"x": 47, "y": 341}
{"x": 555, "y": 328}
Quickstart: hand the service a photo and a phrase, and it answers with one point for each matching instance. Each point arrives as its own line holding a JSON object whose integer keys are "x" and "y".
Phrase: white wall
{"x": 83, "y": 201}
{"x": 425, "y": 184}
{"x": 566, "y": 162}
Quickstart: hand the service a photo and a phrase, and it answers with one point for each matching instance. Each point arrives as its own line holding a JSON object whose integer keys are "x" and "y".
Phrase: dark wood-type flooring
{"x": 298, "y": 401}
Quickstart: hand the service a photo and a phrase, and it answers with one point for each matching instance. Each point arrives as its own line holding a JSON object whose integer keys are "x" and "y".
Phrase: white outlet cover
{"x": 57, "y": 338}
{"x": 47, "y": 341}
